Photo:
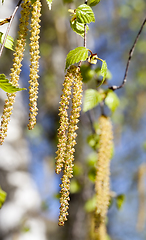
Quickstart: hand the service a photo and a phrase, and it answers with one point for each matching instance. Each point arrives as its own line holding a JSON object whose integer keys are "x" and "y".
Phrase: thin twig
{"x": 129, "y": 58}
{"x": 9, "y": 26}
{"x": 91, "y": 122}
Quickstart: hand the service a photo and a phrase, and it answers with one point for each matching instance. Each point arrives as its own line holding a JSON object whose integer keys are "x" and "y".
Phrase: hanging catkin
{"x": 34, "y": 53}
{"x": 67, "y": 135}
{"x": 15, "y": 71}
{"x": 102, "y": 187}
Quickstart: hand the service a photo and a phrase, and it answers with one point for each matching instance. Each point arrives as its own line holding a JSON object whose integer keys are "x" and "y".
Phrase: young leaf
{"x": 103, "y": 71}
{"x": 84, "y": 14}
{"x": 9, "y": 41}
{"x": 120, "y": 199}
{"x": 78, "y": 27}
{"x": 2, "y": 197}
{"x": 112, "y": 101}
{"x": 93, "y": 2}
{"x": 76, "y": 55}
{"x": 7, "y": 86}
{"x": 49, "y": 2}
{"x": 92, "y": 99}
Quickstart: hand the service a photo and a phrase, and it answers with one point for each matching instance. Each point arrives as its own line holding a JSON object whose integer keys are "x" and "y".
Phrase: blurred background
{"x": 27, "y": 158}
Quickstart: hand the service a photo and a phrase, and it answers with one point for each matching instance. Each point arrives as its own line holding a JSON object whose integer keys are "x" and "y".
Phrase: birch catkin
{"x": 102, "y": 185}
{"x": 15, "y": 71}
{"x": 34, "y": 53}
{"x": 67, "y": 135}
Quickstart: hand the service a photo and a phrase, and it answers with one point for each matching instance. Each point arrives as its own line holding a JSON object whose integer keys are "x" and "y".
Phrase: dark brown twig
{"x": 6, "y": 20}
{"x": 129, "y": 58}
{"x": 9, "y": 26}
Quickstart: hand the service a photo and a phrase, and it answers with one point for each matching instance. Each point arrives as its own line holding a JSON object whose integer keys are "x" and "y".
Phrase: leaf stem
{"x": 9, "y": 26}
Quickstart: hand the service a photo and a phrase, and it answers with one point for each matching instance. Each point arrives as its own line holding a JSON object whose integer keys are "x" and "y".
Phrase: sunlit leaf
{"x": 7, "y": 86}
{"x": 76, "y": 55}
{"x": 84, "y": 14}
{"x": 120, "y": 199}
{"x": 78, "y": 27}
{"x": 112, "y": 100}
{"x": 93, "y": 2}
{"x": 92, "y": 99}
{"x": 2, "y": 197}
{"x": 9, "y": 41}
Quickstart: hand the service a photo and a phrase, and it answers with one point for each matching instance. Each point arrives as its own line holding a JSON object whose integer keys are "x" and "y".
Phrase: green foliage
{"x": 76, "y": 55}
{"x": 87, "y": 72}
{"x": 84, "y": 14}
{"x": 93, "y": 2}
{"x": 90, "y": 204}
{"x": 103, "y": 71}
{"x": 2, "y": 197}
{"x": 74, "y": 186}
{"x": 9, "y": 41}
{"x": 7, "y": 86}
{"x": 92, "y": 174}
{"x": 78, "y": 27}
{"x": 93, "y": 141}
{"x": 120, "y": 199}
{"x": 92, "y": 99}
{"x": 112, "y": 100}
{"x": 92, "y": 159}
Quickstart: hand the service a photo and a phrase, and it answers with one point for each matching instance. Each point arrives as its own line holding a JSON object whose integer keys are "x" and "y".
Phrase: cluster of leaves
{"x": 2, "y": 197}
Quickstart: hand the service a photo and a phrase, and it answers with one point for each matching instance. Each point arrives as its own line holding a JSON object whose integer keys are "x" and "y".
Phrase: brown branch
{"x": 6, "y": 20}
{"x": 129, "y": 58}
{"x": 9, "y": 26}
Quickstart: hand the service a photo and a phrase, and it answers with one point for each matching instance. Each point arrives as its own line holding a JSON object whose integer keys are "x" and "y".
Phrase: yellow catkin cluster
{"x": 34, "y": 52}
{"x": 102, "y": 187}
{"x": 67, "y": 135}
{"x": 62, "y": 131}
{"x": 15, "y": 71}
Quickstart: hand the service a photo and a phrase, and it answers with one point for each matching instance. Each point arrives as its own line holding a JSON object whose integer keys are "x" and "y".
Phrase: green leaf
{"x": 49, "y": 2}
{"x": 92, "y": 174}
{"x": 7, "y": 86}
{"x": 93, "y": 140}
{"x": 120, "y": 199}
{"x": 87, "y": 72}
{"x": 103, "y": 72}
{"x": 76, "y": 55}
{"x": 78, "y": 27}
{"x": 92, "y": 159}
{"x": 9, "y": 41}
{"x": 90, "y": 204}
{"x": 84, "y": 14}
{"x": 74, "y": 186}
{"x": 92, "y": 3}
{"x": 112, "y": 101}
{"x": 92, "y": 99}
{"x": 2, "y": 197}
